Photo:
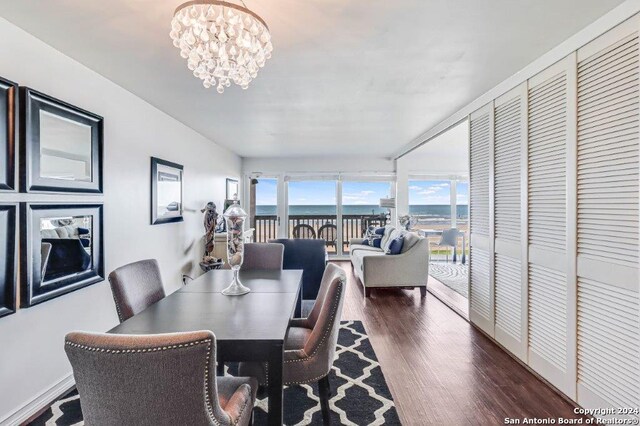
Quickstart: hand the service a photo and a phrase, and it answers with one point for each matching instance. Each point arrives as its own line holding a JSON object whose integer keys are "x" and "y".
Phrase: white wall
{"x": 32, "y": 359}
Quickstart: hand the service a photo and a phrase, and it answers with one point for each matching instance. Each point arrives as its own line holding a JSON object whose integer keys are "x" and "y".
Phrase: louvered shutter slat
{"x": 608, "y": 323}
{"x": 479, "y": 175}
{"x": 547, "y": 163}
{"x": 480, "y": 282}
{"x": 611, "y": 154}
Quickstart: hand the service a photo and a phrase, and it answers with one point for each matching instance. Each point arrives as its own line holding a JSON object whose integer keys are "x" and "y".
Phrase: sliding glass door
{"x": 266, "y": 220}
{"x": 360, "y": 208}
{"x": 322, "y": 207}
{"x": 438, "y": 205}
{"x": 313, "y": 211}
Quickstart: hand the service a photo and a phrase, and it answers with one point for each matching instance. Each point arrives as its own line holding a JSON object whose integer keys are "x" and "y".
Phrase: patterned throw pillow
{"x": 373, "y": 237}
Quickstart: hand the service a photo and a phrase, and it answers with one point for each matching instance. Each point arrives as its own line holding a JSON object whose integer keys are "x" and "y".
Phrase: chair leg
{"x": 324, "y": 391}
{"x": 423, "y": 291}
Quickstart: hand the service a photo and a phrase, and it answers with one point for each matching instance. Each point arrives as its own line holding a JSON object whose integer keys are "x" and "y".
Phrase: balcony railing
{"x": 317, "y": 226}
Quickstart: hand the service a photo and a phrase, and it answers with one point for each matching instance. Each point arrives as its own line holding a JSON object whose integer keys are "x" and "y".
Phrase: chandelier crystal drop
{"x": 221, "y": 41}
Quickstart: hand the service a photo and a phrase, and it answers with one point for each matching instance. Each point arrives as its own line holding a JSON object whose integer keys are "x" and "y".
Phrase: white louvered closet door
{"x": 551, "y": 134}
{"x": 509, "y": 280}
{"x": 608, "y": 217}
{"x": 481, "y": 217}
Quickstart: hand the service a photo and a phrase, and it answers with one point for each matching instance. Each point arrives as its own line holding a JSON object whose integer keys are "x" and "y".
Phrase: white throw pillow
{"x": 388, "y": 230}
{"x": 392, "y": 236}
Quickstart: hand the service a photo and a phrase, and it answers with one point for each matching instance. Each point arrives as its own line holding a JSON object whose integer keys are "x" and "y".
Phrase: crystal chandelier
{"x": 222, "y": 42}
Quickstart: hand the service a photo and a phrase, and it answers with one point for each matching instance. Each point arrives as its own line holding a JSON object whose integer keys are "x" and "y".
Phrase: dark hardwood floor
{"x": 441, "y": 370}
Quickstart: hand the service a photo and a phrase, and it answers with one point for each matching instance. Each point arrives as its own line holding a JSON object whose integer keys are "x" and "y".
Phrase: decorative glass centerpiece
{"x": 235, "y": 218}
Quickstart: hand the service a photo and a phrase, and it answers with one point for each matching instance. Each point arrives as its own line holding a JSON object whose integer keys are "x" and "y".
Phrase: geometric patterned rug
{"x": 453, "y": 275}
{"x": 359, "y": 392}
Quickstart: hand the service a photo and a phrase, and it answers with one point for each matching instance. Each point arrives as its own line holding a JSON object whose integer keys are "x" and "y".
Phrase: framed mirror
{"x": 8, "y": 102}
{"x": 62, "y": 245}
{"x": 233, "y": 189}
{"x": 166, "y": 192}
{"x": 8, "y": 258}
{"x": 61, "y": 148}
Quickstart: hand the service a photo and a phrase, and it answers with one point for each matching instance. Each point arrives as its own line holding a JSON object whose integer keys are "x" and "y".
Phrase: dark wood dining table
{"x": 252, "y": 327}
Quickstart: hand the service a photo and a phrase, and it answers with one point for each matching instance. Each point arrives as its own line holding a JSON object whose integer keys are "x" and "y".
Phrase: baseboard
{"x": 39, "y": 403}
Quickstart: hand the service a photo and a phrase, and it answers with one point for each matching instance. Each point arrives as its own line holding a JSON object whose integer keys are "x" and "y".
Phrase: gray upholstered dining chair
{"x": 135, "y": 287}
{"x": 161, "y": 379}
{"x": 264, "y": 256}
{"x": 311, "y": 343}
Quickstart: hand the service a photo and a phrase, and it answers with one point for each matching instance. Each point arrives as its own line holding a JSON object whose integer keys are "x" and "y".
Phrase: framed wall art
{"x": 61, "y": 145}
{"x": 8, "y": 257}
{"x": 8, "y": 121}
{"x": 166, "y": 192}
{"x": 62, "y": 249}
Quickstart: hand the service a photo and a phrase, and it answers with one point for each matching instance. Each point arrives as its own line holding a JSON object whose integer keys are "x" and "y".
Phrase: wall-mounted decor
{"x": 8, "y": 258}
{"x": 61, "y": 145}
{"x": 62, "y": 249}
{"x": 233, "y": 189}
{"x": 8, "y": 102}
{"x": 166, "y": 191}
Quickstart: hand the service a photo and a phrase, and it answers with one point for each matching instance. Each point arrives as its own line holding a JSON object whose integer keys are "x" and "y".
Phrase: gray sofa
{"x": 375, "y": 268}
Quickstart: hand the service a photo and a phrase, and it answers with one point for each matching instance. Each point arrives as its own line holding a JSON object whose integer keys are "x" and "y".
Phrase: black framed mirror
{"x": 62, "y": 246}
{"x": 8, "y": 120}
{"x": 8, "y": 258}
{"x": 61, "y": 145}
{"x": 166, "y": 192}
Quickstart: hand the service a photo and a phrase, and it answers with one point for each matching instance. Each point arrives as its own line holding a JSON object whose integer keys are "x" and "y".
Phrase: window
{"x": 360, "y": 208}
{"x": 462, "y": 206}
{"x": 266, "y": 220}
{"x": 430, "y": 202}
{"x": 313, "y": 211}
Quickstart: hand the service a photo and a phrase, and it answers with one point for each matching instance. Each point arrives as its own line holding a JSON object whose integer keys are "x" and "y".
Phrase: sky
{"x": 358, "y": 193}
{"x": 430, "y": 192}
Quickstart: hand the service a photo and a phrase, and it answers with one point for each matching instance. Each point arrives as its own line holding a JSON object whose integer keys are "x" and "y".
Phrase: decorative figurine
{"x": 210, "y": 219}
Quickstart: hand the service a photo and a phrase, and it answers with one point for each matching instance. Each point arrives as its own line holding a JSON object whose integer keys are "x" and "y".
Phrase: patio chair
{"x": 329, "y": 233}
{"x": 302, "y": 230}
{"x": 449, "y": 238}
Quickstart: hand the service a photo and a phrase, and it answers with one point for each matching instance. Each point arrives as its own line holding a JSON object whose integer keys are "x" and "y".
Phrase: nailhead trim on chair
{"x": 244, "y": 405}
{"x": 123, "y": 351}
{"x": 326, "y": 333}
{"x": 266, "y": 365}
{"x": 307, "y": 381}
{"x": 115, "y": 300}
{"x": 207, "y": 400}
{"x": 324, "y": 337}
{"x": 164, "y": 348}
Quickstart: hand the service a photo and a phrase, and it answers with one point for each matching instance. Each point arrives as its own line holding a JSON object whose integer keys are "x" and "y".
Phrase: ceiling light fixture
{"x": 221, "y": 41}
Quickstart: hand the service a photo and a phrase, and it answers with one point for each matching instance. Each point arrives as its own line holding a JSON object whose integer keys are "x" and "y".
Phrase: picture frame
{"x": 61, "y": 146}
{"x": 166, "y": 191}
{"x": 8, "y": 122}
{"x": 8, "y": 257}
{"x": 62, "y": 246}
{"x": 233, "y": 188}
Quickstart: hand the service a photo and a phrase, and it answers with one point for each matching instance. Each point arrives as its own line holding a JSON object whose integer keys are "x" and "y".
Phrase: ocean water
{"x": 434, "y": 211}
